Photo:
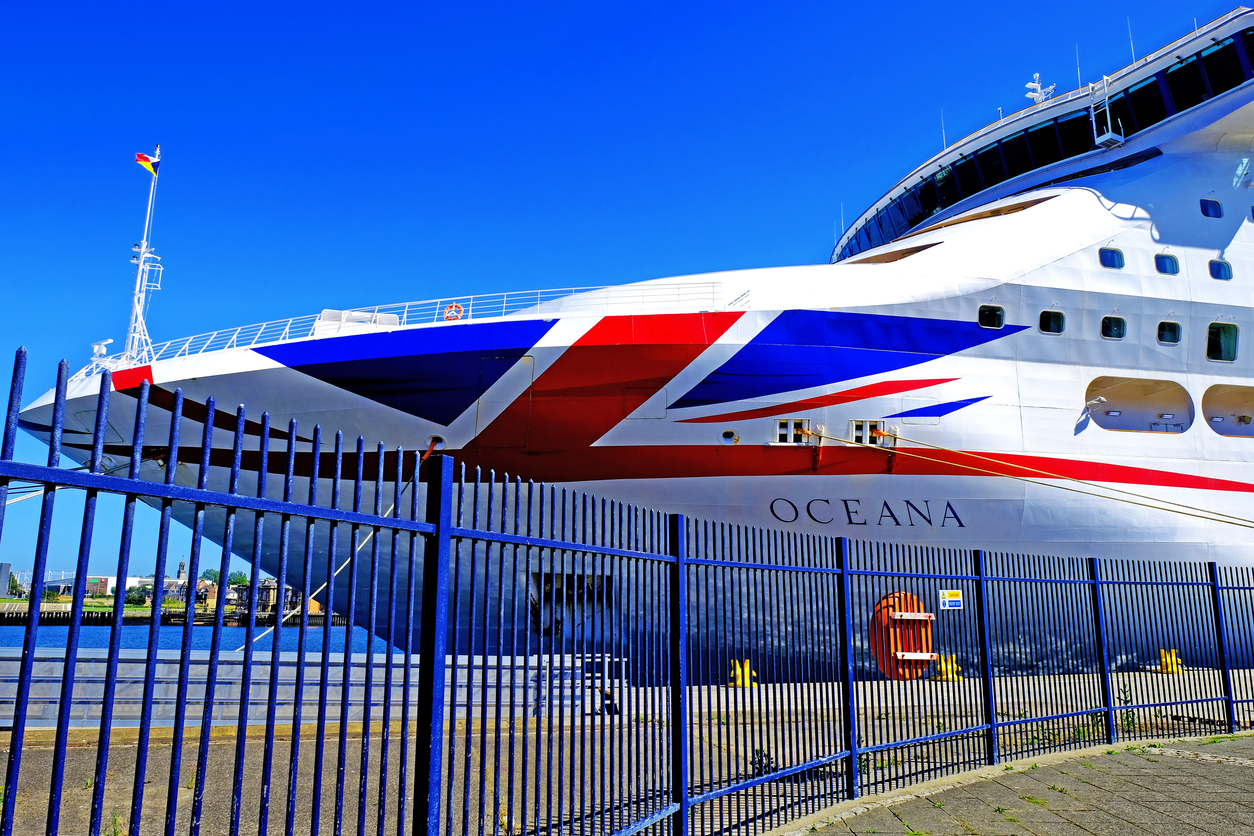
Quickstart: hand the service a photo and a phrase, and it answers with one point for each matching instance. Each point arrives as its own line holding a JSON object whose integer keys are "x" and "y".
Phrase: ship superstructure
{"x": 1039, "y": 340}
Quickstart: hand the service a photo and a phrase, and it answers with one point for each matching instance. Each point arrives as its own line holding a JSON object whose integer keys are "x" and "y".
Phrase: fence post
{"x": 678, "y": 672}
{"x": 1221, "y": 634}
{"x": 986, "y": 659}
{"x": 852, "y": 778}
{"x": 1103, "y": 656}
{"x": 433, "y": 639}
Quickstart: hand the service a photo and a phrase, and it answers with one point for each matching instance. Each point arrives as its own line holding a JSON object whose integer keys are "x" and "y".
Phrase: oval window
{"x": 1052, "y": 322}
{"x": 1132, "y": 404}
{"x": 1167, "y": 264}
{"x": 1229, "y": 409}
{"x": 1169, "y": 332}
{"x": 1221, "y": 342}
{"x": 1111, "y": 259}
{"x": 992, "y": 316}
{"x": 1212, "y": 208}
{"x": 1114, "y": 327}
{"x": 1221, "y": 270}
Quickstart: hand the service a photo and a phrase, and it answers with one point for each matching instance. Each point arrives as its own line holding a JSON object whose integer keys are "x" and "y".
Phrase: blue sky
{"x": 335, "y": 156}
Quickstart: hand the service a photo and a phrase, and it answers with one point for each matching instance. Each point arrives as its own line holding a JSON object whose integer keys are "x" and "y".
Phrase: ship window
{"x": 991, "y": 316}
{"x": 946, "y": 188}
{"x": 1166, "y": 264}
{"x": 1186, "y": 85}
{"x": 1212, "y": 208}
{"x": 1148, "y": 107}
{"x": 1120, "y": 117}
{"x": 991, "y": 166}
{"x": 1221, "y": 342}
{"x": 1169, "y": 333}
{"x": 1114, "y": 327}
{"x": 1014, "y": 149}
{"x": 1110, "y": 258}
{"x": 792, "y": 430}
{"x": 1052, "y": 322}
{"x": 1221, "y": 270}
{"x": 968, "y": 176}
{"x": 911, "y": 209}
{"x": 1222, "y": 66}
{"x": 897, "y": 218}
{"x": 928, "y": 200}
{"x": 1043, "y": 140}
{"x": 1075, "y": 133}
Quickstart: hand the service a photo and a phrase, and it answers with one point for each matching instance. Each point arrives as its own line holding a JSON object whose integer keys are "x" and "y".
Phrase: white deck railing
{"x": 579, "y": 300}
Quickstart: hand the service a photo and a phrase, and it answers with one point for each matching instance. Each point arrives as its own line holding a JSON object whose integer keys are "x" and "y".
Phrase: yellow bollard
{"x": 949, "y": 669}
{"x": 1169, "y": 662}
{"x": 742, "y": 676}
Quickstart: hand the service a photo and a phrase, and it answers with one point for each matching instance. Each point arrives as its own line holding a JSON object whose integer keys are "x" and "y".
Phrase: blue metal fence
{"x": 522, "y": 658}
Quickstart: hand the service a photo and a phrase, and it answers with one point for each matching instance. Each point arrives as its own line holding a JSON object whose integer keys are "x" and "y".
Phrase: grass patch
{"x": 1029, "y": 799}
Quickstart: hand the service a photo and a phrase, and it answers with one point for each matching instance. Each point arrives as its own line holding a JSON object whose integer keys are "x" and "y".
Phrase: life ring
{"x": 453, "y": 312}
{"x": 901, "y": 636}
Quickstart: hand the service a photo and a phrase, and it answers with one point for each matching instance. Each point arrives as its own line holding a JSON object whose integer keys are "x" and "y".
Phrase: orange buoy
{"x": 901, "y": 636}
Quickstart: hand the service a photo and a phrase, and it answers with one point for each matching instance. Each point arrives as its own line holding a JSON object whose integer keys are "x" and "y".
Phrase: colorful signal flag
{"x": 148, "y": 163}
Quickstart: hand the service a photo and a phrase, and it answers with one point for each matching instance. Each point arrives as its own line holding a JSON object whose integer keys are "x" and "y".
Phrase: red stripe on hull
{"x": 874, "y": 390}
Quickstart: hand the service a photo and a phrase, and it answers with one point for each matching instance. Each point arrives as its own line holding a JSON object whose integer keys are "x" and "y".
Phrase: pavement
{"x": 1193, "y": 787}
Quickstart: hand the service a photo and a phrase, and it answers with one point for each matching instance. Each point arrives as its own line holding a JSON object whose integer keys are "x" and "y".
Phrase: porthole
{"x": 1053, "y": 322}
{"x": 1169, "y": 333}
{"x": 1167, "y": 264}
{"x": 992, "y": 316}
{"x": 1114, "y": 327}
{"x": 1221, "y": 270}
{"x": 728, "y": 438}
{"x": 1212, "y": 208}
{"x": 1110, "y": 259}
{"x": 1221, "y": 342}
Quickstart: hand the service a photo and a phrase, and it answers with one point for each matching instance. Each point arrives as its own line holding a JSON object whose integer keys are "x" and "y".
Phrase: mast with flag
{"x": 147, "y": 274}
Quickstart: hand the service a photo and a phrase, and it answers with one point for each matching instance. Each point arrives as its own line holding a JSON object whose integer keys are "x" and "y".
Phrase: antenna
{"x": 148, "y": 268}
{"x": 1037, "y": 93}
{"x": 842, "y": 218}
{"x": 1130, "y": 41}
{"x": 1078, "y": 82}
{"x": 944, "y": 142}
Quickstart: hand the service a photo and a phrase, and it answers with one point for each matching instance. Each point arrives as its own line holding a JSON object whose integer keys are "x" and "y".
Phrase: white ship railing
{"x": 647, "y": 296}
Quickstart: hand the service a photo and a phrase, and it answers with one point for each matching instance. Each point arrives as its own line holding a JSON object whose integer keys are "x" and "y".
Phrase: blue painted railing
{"x": 524, "y": 658}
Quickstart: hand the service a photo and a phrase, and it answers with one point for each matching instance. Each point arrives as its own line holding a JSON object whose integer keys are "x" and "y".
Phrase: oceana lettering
{"x": 904, "y": 513}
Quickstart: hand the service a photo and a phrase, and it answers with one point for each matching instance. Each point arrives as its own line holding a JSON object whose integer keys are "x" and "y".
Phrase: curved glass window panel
{"x": 1186, "y": 85}
{"x": 1222, "y": 66}
{"x": 1043, "y": 141}
{"x": 1014, "y": 150}
{"x": 886, "y": 224}
{"x": 1075, "y": 133}
{"x": 863, "y": 238}
{"x": 1114, "y": 327}
{"x": 928, "y": 200}
{"x": 1053, "y": 322}
{"x": 1121, "y": 115}
{"x": 992, "y": 168}
{"x": 967, "y": 174}
{"x": 1221, "y": 342}
{"x": 1146, "y": 100}
{"x": 1169, "y": 333}
{"x": 1221, "y": 270}
{"x": 874, "y": 236}
{"x": 1167, "y": 264}
{"x": 1110, "y": 258}
{"x": 1212, "y": 208}
{"x": 947, "y": 188}
{"x": 897, "y": 218}
{"x": 991, "y": 316}
{"x": 911, "y": 209}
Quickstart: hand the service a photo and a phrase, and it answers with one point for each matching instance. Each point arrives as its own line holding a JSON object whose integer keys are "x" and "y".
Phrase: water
{"x": 135, "y": 636}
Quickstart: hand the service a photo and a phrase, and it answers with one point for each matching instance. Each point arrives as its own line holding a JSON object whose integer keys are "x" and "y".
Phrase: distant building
{"x": 182, "y": 575}
{"x": 207, "y": 593}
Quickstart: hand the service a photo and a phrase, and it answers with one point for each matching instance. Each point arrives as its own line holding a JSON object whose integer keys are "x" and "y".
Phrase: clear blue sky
{"x": 335, "y": 156}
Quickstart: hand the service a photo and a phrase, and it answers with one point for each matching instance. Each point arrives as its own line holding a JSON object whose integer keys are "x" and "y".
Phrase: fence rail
{"x": 526, "y": 659}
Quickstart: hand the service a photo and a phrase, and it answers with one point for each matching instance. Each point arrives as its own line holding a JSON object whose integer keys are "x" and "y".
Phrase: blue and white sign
{"x": 951, "y": 599}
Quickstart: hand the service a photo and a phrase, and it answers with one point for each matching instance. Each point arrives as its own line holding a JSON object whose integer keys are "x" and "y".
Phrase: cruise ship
{"x": 1039, "y": 340}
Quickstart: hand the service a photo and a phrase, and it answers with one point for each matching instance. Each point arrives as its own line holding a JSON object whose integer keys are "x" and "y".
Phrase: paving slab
{"x": 1192, "y": 787}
